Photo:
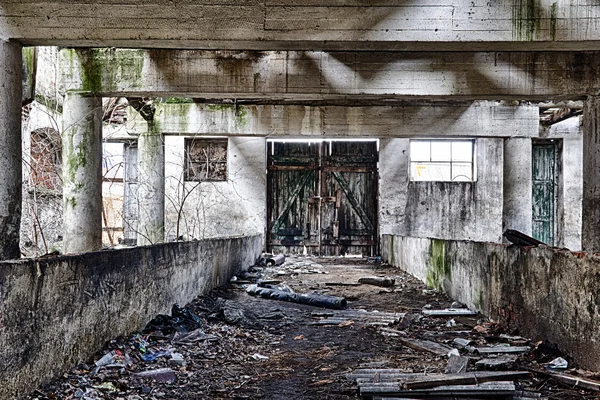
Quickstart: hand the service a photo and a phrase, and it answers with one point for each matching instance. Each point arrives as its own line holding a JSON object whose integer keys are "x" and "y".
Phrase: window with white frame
{"x": 442, "y": 160}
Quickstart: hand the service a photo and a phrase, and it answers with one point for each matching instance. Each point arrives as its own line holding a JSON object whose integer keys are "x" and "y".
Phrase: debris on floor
{"x": 231, "y": 344}
{"x": 377, "y": 281}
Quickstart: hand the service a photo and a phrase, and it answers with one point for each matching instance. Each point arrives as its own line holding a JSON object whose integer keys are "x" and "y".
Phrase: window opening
{"x": 442, "y": 160}
{"x": 205, "y": 160}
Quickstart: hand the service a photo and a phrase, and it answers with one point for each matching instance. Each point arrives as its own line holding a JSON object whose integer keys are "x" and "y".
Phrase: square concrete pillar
{"x": 517, "y": 207}
{"x": 590, "y": 232}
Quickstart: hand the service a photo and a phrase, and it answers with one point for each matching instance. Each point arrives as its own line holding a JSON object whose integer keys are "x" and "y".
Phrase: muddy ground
{"x": 237, "y": 346}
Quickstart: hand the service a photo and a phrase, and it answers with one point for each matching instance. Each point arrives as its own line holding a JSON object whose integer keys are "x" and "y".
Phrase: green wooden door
{"x": 544, "y": 191}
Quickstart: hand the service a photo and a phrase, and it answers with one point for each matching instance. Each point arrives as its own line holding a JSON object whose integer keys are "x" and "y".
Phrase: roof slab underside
{"x": 385, "y": 25}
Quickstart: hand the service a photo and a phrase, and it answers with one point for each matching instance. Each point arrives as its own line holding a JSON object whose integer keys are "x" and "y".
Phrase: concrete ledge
{"x": 547, "y": 293}
{"x": 57, "y": 311}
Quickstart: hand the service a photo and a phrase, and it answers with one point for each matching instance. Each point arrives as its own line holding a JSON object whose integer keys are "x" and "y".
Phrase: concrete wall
{"x": 216, "y": 209}
{"x": 570, "y": 182}
{"x": 546, "y": 293}
{"x": 55, "y": 312}
{"x": 445, "y": 210}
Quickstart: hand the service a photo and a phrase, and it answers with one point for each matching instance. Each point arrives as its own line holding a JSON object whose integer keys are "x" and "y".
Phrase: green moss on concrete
{"x": 101, "y": 70}
{"x": 439, "y": 267}
{"x": 527, "y": 19}
{"x": 553, "y": 20}
{"x": 49, "y": 102}
{"x": 29, "y": 62}
{"x": 71, "y": 202}
{"x": 240, "y": 112}
{"x": 177, "y": 100}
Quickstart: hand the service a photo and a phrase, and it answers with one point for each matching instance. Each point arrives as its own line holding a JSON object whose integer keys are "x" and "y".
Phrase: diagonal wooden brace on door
{"x": 288, "y": 204}
{"x": 357, "y": 207}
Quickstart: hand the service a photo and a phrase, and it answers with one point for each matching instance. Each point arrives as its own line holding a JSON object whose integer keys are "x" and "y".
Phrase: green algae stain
{"x": 553, "y": 20}
{"x": 103, "y": 70}
{"x": 439, "y": 268}
{"x": 527, "y": 18}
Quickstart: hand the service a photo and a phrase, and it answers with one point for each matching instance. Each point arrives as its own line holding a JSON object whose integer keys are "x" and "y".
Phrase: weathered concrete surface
{"x": 29, "y": 55}
{"x": 476, "y": 119}
{"x": 570, "y": 181}
{"x": 82, "y": 173}
{"x": 445, "y": 210}
{"x": 320, "y": 75}
{"x": 254, "y": 24}
{"x": 546, "y": 293}
{"x": 151, "y": 186}
{"x": 216, "y": 209}
{"x": 10, "y": 149}
{"x": 590, "y": 234}
{"x": 56, "y": 312}
{"x": 517, "y": 211}
{"x": 130, "y": 193}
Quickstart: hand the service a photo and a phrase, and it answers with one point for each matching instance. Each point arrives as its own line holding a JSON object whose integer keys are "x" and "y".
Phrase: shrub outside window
{"x": 205, "y": 160}
{"x": 442, "y": 160}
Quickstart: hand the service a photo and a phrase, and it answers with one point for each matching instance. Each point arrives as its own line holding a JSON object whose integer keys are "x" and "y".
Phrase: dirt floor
{"x": 231, "y": 345}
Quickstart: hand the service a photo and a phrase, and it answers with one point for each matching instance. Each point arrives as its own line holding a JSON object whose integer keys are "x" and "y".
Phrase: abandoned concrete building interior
{"x": 150, "y": 151}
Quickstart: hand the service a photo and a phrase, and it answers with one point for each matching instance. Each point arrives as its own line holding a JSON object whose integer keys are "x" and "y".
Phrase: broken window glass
{"x": 205, "y": 160}
{"x": 442, "y": 160}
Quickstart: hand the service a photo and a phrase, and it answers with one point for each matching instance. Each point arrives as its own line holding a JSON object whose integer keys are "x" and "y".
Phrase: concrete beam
{"x": 302, "y": 76}
{"x": 10, "y": 149}
{"x": 479, "y": 119}
{"x": 310, "y": 25}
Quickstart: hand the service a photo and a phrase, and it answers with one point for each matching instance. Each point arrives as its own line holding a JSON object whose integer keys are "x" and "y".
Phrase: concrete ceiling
{"x": 391, "y": 25}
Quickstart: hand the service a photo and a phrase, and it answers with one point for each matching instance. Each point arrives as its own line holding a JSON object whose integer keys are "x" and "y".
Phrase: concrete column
{"x": 590, "y": 232}
{"x": 82, "y": 173}
{"x": 10, "y": 149}
{"x": 517, "y": 209}
{"x": 130, "y": 201}
{"x": 151, "y": 187}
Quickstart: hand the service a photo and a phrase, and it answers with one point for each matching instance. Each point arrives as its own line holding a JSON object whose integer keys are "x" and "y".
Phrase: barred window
{"x": 205, "y": 160}
{"x": 442, "y": 160}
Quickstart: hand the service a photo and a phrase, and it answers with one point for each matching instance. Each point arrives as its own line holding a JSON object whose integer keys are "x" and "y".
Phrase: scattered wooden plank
{"x": 457, "y": 365}
{"x": 455, "y": 312}
{"x": 575, "y": 381}
{"x": 359, "y": 313}
{"x": 342, "y": 284}
{"x": 426, "y": 345}
{"x": 506, "y": 361}
{"x": 502, "y": 349}
{"x": 385, "y": 375}
{"x": 481, "y": 389}
{"x": 468, "y": 378}
{"x": 445, "y": 335}
{"x": 330, "y": 321}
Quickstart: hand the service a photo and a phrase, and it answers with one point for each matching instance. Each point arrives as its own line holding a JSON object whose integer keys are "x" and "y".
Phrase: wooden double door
{"x": 322, "y": 197}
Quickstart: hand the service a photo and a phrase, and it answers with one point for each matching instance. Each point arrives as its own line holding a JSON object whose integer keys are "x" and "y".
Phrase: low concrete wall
{"x": 57, "y": 311}
{"x": 547, "y": 293}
